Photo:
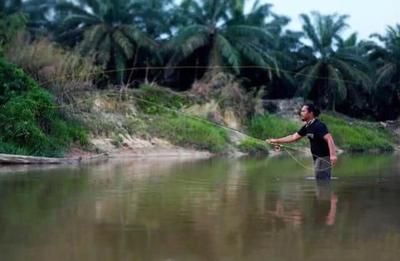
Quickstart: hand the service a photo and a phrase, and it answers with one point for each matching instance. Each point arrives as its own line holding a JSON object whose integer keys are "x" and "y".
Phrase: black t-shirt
{"x": 315, "y": 132}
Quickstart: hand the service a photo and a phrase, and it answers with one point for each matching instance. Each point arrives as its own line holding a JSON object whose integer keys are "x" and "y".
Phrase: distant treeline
{"x": 175, "y": 45}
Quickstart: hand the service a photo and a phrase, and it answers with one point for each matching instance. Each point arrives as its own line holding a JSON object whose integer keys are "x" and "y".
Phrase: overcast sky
{"x": 366, "y": 16}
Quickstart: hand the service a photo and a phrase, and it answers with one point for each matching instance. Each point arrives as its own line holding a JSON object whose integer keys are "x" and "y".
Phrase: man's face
{"x": 305, "y": 115}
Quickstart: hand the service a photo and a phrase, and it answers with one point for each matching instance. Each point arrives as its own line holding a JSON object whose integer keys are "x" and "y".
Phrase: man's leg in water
{"x": 322, "y": 168}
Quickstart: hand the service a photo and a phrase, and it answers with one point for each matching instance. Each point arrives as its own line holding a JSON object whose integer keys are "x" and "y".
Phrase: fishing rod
{"x": 276, "y": 146}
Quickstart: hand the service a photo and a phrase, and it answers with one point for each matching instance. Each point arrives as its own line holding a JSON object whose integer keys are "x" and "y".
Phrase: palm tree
{"x": 155, "y": 17}
{"x": 223, "y": 33}
{"x": 284, "y": 47}
{"x": 104, "y": 29}
{"x": 11, "y": 19}
{"x": 39, "y": 14}
{"x": 328, "y": 67}
{"x": 8, "y": 7}
{"x": 387, "y": 60}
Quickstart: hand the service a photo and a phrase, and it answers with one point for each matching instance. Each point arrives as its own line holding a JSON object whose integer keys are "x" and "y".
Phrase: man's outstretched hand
{"x": 274, "y": 142}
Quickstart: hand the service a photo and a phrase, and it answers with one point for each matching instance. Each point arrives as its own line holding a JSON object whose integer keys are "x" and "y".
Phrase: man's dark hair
{"x": 312, "y": 108}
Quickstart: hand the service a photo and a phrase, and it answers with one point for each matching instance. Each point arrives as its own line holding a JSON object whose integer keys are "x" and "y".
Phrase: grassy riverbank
{"x": 33, "y": 124}
{"x": 30, "y": 120}
{"x": 350, "y": 135}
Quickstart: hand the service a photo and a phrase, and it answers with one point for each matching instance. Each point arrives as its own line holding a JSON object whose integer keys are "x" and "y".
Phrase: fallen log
{"x": 21, "y": 159}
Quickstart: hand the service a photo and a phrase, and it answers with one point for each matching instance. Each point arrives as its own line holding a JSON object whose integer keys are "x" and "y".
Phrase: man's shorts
{"x": 322, "y": 168}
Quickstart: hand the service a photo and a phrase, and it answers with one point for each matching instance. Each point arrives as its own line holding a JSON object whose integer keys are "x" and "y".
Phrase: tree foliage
{"x": 180, "y": 44}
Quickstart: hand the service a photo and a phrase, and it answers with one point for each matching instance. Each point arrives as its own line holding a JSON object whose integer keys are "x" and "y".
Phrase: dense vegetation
{"x": 178, "y": 44}
{"x": 74, "y": 45}
{"x": 29, "y": 119}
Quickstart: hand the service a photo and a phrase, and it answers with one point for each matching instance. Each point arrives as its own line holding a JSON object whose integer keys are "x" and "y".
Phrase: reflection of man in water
{"x": 322, "y": 145}
{"x": 324, "y": 205}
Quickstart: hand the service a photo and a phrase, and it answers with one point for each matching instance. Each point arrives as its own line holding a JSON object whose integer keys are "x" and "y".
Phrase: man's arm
{"x": 332, "y": 148}
{"x": 288, "y": 139}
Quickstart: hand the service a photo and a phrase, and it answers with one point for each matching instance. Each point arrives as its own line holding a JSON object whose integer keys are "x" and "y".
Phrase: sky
{"x": 366, "y": 16}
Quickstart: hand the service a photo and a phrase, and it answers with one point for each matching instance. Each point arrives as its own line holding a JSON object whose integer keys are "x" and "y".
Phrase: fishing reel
{"x": 277, "y": 147}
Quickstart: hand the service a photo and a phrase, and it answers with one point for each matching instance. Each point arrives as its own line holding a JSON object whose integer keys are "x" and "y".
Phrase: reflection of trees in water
{"x": 199, "y": 199}
{"x": 218, "y": 209}
{"x": 222, "y": 212}
{"x": 31, "y": 198}
{"x": 31, "y": 206}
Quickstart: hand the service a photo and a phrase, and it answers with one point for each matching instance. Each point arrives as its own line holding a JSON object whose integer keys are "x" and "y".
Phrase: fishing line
{"x": 194, "y": 67}
{"x": 286, "y": 147}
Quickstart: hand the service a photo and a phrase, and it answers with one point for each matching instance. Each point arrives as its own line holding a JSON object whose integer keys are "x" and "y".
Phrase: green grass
{"x": 188, "y": 132}
{"x": 358, "y": 136}
{"x": 9, "y": 148}
{"x": 253, "y": 146}
{"x": 271, "y": 126}
{"x": 156, "y": 100}
{"x": 157, "y": 105}
{"x": 30, "y": 120}
{"x": 352, "y": 136}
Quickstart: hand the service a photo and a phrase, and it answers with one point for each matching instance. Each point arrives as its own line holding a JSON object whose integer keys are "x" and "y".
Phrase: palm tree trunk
{"x": 133, "y": 65}
{"x": 334, "y": 101}
{"x": 146, "y": 79}
{"x": 214, "y": 60}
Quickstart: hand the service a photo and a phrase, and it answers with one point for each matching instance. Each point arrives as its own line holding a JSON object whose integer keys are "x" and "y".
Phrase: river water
{"x": 216, "y": 209}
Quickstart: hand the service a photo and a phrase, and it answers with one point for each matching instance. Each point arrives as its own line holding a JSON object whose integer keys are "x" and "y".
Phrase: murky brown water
{"x": 249, "y": 209}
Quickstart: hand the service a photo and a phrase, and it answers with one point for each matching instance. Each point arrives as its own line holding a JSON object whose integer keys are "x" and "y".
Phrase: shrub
{"x": 62, "y": 72}
{"x": 29, "y": 118}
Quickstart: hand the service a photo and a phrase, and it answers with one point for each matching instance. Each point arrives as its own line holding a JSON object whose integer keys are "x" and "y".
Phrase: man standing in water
{"x": 322, "y": 145}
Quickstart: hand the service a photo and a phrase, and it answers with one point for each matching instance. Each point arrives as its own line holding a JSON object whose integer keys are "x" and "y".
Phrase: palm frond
{"x": 104, "y": 50}
{"x": 137, "y": 36}
{"x": 72, "y": 9}
{"x": 77, "y": 20}
{"x": 126, "y": 46}
{"x": 310, "y": 32}
{"x": 185, "y": 34}
{"x": 228, "y": 52}
{"x": 252, "y": 55}
{"x": 352, "y": 73}
{"x": 252, "y": 32}
{"x": 385, "y": 74}
{"x": 339, "y": 83}
{"x": 95, "y": 5}
{"x": 92, "y": 38}
{"x": 310, "y": 75}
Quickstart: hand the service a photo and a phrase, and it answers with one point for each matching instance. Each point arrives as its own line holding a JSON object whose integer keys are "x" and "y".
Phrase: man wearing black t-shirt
{"x": 322, "y": 145}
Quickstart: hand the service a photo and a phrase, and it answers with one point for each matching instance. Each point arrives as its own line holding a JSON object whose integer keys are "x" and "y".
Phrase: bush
{"x": 62, "y": 72}
{"x": 29, "y": 119}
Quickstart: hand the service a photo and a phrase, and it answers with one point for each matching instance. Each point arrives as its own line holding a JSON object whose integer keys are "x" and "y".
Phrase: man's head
{"x": 309, "y": 112}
